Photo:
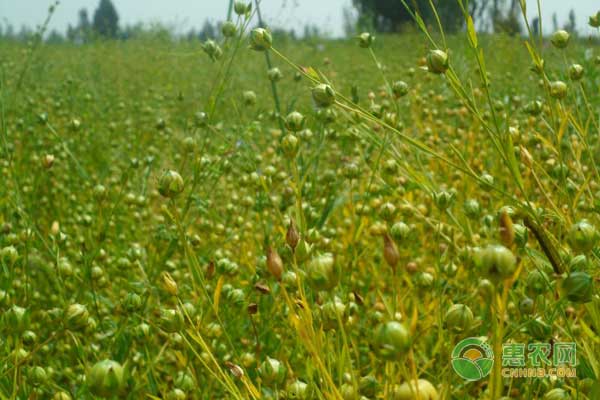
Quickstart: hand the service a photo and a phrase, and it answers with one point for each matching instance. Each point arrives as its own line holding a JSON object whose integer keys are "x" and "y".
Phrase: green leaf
{"x": 311, "y": 72}
{"x": 420, "y": 22}
{"x": 472, "y": 33}
{"x": 514, "y": 164}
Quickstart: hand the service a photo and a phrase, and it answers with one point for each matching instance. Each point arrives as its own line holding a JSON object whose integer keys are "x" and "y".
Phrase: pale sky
{"x": 187, "y": 14}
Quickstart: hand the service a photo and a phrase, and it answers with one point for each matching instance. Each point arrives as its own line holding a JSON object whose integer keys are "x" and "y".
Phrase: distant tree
{"x": 71, "y": 33}
{"x": 106, "y": 20}
{"x": 391, "y": 15}
{"x": 311, "y": 32}
{"x": 9, "y": 32}
{"x": 84, "y": 20}
{"x": 554, "y": 22}
{"x": 350, "y": 23}
{"x": 571, "y": 25}
{"x": 131, "y": 31}
{"x": 25, "y": 34}
{"x": 191, "y": 35}
{"x": 83, "y": 32}
{"x": 535, "y": 26}
{"x": 55, "y": 37}
{"x": 208, "y": 31}
{"x": 505, "y": 17}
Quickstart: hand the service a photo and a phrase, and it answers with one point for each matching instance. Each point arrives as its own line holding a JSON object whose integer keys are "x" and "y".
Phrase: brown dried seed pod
{"x": 274, "y": 263}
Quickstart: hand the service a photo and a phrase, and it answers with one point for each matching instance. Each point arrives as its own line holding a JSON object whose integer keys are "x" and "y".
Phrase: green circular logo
{"x": 472, "y": 359}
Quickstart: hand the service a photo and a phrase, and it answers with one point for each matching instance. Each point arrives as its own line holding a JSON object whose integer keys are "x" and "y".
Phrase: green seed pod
{"x": 485, "y": 288}
{"x": 228, "y": 29}
{"x": 189, "y": 144}
{"x": 29, "y": 338}
{"x": 560, "y": 39}
{"x": 272, "y": 371}
{"x": 168, "y": 284}
{"x": 526, "y": 306}
{"x": 583, "y": 236}
{"x": 575, "y": 72}
{"x": 9, "y": 255}
{"x": 176, "y": 394}
{"x": 331, "y": 311}
{"x": 459, "y": 318}
{"x": 100, "y": 192}
{"x": 537, "y": 282}
{"x": 16, "y": 319}
{"x": 472, "y": 209}
{"x": 4, "y": 298}
{"x": 321, "y": 272}
{"x": 61, "y": 396}
{"x": 171, "y": 320}
{"x": 260, "y": 39}
{"x": 399, "y": 89}
{"x": 558, "y": 89}
{"x": 533, "y": 107}
{"x": 444, "y": 200}
{"x": 365, "y": 40}
{"x": 400, "y": 232}
{"x": 392, "y": 341}
{"x": 497, "y": 261}
{"x": 390, "y": 167}
{"x": 578, "y": 287}
{"x": 298, "y": 390}
{"x": 351, "y": 170}
{"x": 424, "y": 280}
{"x": 37, "y": 376}
{"x": 539, "y": 329}
{"x": 185, "y": 381}
{"x": 237, "y": 297}
{"x": 294, "y": 121}
{"x": 578, "y": 263}
{"x": 437, "y": 61}
{"x": 449, "y": 269}
{"x": 212, "y": 49}
{"x": 201, "y": 119}
{"x": 242, "y": 8}
{"x": 189, "y": 309}
{"x": 594, "y": 20}
{"x": 303, "y": 250}
{"x": 368, "y": 386}
{"x": 170, "y": 184}
{"x": 249, "y": 98}
{"x": 348, "y": 392}
{"x": 323, "y": 95}
{"x": 132, "y": 302}
{"x": 106, "y": 379}
{"x": 142, "y": 331}
{"x": 557, "y": 394}
{"x": 487, "y": 181}
{"x": 274, "y": 74}
{"x": 248, "y": 360}
{"x": 521, "y": 235}
{"x": 76, "y": 317}
{"x": 387, "y": 211}
{"x": 289, "y": 145}
{"x": 407, "y": 391}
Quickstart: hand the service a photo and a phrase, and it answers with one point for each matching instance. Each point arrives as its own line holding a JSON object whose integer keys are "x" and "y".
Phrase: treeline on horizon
{"x": 384, "y": 16}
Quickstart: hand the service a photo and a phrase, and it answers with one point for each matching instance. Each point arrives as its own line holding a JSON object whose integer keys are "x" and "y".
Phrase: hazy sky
{"x": 185, "y": 14}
